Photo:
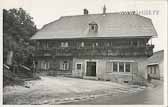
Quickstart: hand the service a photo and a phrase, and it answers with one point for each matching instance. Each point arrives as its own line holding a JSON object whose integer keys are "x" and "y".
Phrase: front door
{"x": 91, "y": 69}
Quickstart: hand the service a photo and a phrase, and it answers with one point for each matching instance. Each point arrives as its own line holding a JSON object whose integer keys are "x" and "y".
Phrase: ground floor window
{"x": 127, "y": 67}
{"x": 45, "y": 65}
{"x": 152, "y": 69}
{"x": 115, "y": 68}
{"x": 121, "y": 66}
{"x": 64, "y": 65}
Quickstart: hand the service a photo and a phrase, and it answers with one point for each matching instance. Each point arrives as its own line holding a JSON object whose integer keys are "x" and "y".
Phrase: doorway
{"x": 91, "y": 69}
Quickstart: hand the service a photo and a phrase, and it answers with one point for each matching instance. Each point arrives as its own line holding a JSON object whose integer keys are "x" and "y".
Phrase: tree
{"x": 18, "y": 27}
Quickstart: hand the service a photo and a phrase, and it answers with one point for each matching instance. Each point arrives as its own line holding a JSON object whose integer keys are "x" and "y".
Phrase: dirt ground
{"x": 58, "y": 90}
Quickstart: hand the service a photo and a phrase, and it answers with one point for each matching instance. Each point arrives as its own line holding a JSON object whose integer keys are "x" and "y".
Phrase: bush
{"x": 9, "y": 78}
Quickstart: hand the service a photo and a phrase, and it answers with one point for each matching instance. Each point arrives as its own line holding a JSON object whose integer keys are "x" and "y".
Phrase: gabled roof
{"x": 157, "y": 57}
{"x": 109, "y": 25}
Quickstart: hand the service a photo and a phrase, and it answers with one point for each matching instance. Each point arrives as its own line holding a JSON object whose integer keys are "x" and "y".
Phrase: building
{"x": 105, "y": 46}
{"x": 155, "y": 65}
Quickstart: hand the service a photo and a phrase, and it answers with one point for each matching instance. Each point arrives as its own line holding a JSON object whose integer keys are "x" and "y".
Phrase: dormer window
{"x": 93, "y": 27}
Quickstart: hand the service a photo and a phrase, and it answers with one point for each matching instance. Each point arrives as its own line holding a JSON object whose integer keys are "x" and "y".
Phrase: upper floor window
{"x": 121, "y": 67}
{"x": 95, "y": 44}
{"x": 93, "y": 27}
{"x": 64, "y": 44}
{"x": 82, "y": 44}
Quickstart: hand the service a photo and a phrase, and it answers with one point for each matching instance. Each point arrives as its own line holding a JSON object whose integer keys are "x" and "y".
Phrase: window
{"x": 127, "y": 67}
{"x": 93, "y": 27}
{"x": 154, "y": 69}
{"x": 95, "y": 44}
{"x": 82, "y": 44}
{"x": 115, "y": 68}
{"x": 151, "y": 70}
{"x": 45, "y": 65}
{"x": 64, "y": 44}
{"x": 78, "y": 66}
{"x": 121, "y": 67}
{"x": 64, "y": 65}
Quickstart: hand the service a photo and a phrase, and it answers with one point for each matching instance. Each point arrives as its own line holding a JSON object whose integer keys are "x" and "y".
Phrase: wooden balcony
{"x": 97, "y": 51}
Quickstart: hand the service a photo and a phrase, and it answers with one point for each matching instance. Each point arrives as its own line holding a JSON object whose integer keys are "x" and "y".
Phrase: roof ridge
{"x": 100, "y": 14}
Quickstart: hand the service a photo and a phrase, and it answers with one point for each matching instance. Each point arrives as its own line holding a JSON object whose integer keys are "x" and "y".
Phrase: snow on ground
{"x": 56, "y": 90}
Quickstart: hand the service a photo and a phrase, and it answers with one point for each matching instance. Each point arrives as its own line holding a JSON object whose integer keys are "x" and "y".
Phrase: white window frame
{"x": 118, "y": 67}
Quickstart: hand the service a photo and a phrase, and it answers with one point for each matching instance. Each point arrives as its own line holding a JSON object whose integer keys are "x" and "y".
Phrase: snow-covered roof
{"x": 109, "y": 25}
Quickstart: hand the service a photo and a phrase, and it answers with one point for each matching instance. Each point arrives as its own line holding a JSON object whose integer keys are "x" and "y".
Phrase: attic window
{"x": 93, "y": 27}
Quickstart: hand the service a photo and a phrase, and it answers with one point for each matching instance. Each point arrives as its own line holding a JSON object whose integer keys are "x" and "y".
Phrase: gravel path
{"x": 58, "y": 90}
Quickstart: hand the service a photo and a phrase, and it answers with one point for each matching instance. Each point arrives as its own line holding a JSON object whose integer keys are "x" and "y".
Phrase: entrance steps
{"x": 90, "y": 77}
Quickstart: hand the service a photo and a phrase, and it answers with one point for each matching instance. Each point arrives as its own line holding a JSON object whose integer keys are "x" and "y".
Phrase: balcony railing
{"x": 97, "y": 51}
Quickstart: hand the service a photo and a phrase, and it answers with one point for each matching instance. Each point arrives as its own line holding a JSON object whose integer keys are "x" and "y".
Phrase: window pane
{"x": 151, "y": 70}
{"x": 66, "y": 66}
{"x": 78, "y": 66}
{"x": 121, "y": 67}
{"x": 92, "y": 27}
{"x": 115, "y": 67}
{"x": 66, "y": 44}
{"x": 154, "y": 69}
{"x": 127, "y": 67}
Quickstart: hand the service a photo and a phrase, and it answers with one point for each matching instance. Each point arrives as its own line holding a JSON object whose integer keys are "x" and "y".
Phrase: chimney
{"x": 85, "y": 11}
{"x": 104, "y": 10}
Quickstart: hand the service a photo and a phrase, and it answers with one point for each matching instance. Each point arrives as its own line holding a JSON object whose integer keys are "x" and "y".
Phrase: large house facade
{"x": 106, "y": 46}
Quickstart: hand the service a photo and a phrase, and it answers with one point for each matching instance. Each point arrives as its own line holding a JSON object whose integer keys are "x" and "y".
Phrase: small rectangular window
{"x": 45, "y": 65}
{"x": 115, "y": 69}
{"x": 121, "y": 67}
{"x": 127, "y": 67}
{"x": 64, "y": 65}
{"x": 78, "y": 66}
{"x": 82, "y": 44}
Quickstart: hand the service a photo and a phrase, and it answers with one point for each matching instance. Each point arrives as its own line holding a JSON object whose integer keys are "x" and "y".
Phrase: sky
{"x": 45, "y": 11}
